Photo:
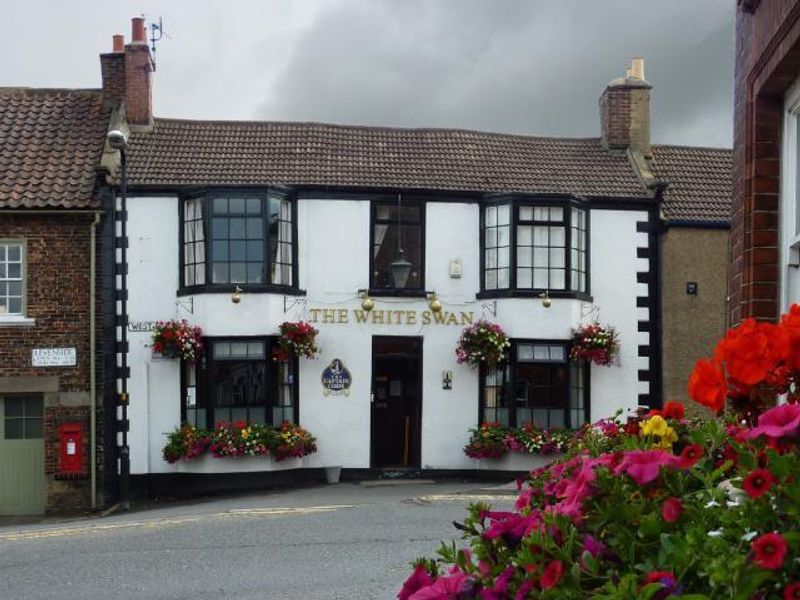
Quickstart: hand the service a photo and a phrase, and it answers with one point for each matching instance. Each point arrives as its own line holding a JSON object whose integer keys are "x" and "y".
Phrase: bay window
{"x": 237, "y": 380}
{"x": 538, "y": 385}
{"x": 238, "y": 239}
{"x": 534, "y": 246}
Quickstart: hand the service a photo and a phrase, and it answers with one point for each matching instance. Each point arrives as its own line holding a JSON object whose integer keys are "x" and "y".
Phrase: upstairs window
{"x": 534, "y": 247}
{"x": 239, "y": 239}
{"x": 12, "y": 257}
{"x": 398, "y": 248}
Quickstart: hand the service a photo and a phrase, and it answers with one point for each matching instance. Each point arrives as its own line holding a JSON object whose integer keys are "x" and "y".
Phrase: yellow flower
{"x": 658, "y": 427}
{"x": 245, "y": 433}
{"x": 655, "y": 425}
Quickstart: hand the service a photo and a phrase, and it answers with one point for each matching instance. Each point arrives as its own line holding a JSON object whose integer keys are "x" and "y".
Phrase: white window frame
{"x": 19, "y": 318}
{"x": 789, "y": 200}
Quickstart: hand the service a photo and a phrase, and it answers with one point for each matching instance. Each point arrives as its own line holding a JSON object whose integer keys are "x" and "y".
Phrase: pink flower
{"x": 780, "y": 421}
{"x": 417, "y": 580}
{"x": 552, "y": 574}
{"x": 644, "y": 465}
{"x": 512, "y": 527}
{"x": 444, "y": 588}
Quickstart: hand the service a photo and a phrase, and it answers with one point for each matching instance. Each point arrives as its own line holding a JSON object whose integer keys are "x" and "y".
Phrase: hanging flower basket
{"x": 482, "y": 343}
{"x": 595, "y": 343}
{"x": 177, "y": 339}
{"x": 297, "y": 339}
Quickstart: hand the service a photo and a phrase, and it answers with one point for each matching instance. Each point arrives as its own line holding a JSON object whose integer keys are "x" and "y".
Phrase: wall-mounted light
{"x": 367, "y": 303}
{"x": 433, "y": 302}
{"x": 236, "y": 297}
{"x": 546, "y": 301}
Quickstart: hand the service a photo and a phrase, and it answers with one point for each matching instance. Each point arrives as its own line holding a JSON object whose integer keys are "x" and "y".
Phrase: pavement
{"x": 348, "y": 540}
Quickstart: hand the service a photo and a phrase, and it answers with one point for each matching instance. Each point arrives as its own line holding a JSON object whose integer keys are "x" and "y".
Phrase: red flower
{"x": 792, "y": 591}
{"x": 707, "y": 384}
{"x": 671, "y": 510}
{"x": 750, "y": 351}
{"x": 758, "y": 483}
{"x": 690, "y": 455}
{"x": 770, "y": 550}
{"x": 552, "y": 574}
{"x": 673, "y": 410}
{"x": 658, "y": 577}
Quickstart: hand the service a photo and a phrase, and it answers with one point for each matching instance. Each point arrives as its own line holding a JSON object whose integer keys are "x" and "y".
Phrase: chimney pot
{"x": 119, "y": 43}
{"x": 637, "y": 68}
{"x": 138, "y": 35}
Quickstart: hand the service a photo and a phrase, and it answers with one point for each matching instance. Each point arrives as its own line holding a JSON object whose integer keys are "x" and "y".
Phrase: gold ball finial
{"x": 367, "y": 304}
{"x": 236, "y": 297}
{"x": 434, "y": 303}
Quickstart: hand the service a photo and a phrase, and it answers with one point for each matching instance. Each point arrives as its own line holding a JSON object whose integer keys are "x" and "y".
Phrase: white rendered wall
{"x": 333, "y": 243}
{"x": 614, "y": 265}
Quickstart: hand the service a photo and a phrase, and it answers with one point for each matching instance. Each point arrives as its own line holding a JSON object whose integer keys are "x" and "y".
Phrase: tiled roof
{"x": 50, "y": 145}
{"x": 197, "y": 153}
{"x": 700, "y": 183}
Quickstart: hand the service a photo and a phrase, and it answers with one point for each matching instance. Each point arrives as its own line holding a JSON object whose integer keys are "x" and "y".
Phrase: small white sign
{"x": 72, "y": 448}
{"x": 137, "y": 326}
{"x": 54, "y": 357}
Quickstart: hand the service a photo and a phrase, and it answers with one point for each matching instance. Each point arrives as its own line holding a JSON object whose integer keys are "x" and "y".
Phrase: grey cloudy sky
{"x": 521, "y": 66}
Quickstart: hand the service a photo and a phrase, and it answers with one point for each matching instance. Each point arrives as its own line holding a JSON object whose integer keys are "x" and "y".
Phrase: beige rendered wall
{"x": 692, "y": 325}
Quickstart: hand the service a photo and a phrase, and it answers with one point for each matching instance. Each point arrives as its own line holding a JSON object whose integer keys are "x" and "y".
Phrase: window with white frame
{"x": 789, "y": 209}
{"x": 535, "y": 246}
{"x": 244, "y": 239}
{"x": 12, "y": 273}
{"x": 538, "y": 385}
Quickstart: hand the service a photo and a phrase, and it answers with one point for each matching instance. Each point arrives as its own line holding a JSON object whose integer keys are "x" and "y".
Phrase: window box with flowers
{"x": 522, "y": 448}
{"x": 483, "y": 344}
{"x": 177, "y": 339}
{"x": 596, "y": 344}
{"x": 244, "y": 445}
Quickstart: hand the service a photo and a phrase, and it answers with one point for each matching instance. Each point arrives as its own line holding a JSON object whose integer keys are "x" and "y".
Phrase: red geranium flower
{"x": 552, "y": 574}
{"x": 770, "y": 550}
{"x": 758, "y": 483}
{"x": 671, "y": 510}
{"x": 792, "y": 591}
{"x": 707, "y": 384}
{"x": 690, "y": 455}
{"x": 673, "y": 410}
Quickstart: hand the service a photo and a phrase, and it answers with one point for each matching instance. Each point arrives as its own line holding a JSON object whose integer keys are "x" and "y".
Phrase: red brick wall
{"x": 615, "y": 116}
{"x": 57, "y": 290}
{"x": 112, "y": 67}
{"x": 138, "y": 79}
{"x": 767, "y": 63}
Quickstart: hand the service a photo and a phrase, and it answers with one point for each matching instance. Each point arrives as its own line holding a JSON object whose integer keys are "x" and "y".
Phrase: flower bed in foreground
{"x": 240, "y": 439}
{"x": 653, "y": 508}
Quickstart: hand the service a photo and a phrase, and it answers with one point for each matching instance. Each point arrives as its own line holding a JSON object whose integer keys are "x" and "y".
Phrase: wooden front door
{"x": 396, "y": 401}
{"x": 22, "y": 479}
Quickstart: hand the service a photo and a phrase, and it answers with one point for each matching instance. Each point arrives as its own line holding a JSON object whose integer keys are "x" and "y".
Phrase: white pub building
{"x": 389, "y": 241}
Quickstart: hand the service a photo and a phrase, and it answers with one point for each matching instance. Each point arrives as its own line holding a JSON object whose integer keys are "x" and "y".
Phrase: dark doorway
{"x": 396, "y": 401}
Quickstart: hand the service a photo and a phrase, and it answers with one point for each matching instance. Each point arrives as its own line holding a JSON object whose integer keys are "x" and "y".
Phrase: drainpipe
{"x": 93, "y": 359}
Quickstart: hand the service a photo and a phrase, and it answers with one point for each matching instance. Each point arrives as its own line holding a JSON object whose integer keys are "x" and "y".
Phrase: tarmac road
{"x": 348, "y": 541}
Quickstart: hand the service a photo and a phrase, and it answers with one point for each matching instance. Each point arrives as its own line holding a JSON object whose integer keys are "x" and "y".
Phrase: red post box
{"x": 70, "y": 448}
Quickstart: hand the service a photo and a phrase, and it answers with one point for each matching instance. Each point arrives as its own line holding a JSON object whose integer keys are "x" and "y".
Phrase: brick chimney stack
{"x": 625, "y": 111}
{"x": 127, "y": 75}
{"x": 138, "y": 77}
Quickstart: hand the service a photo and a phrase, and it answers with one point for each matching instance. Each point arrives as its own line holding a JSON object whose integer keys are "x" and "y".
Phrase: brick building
{"x": 764, "y": 231}
{"x": 51, "y": 141}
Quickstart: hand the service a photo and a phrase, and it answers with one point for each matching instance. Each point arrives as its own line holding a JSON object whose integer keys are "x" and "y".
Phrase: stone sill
{"x": 9, "y": 321}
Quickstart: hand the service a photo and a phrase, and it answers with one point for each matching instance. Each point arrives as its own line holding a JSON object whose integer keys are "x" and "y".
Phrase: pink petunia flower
{"x": 644, "y": 465}
{"x": 780, "y": 421}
